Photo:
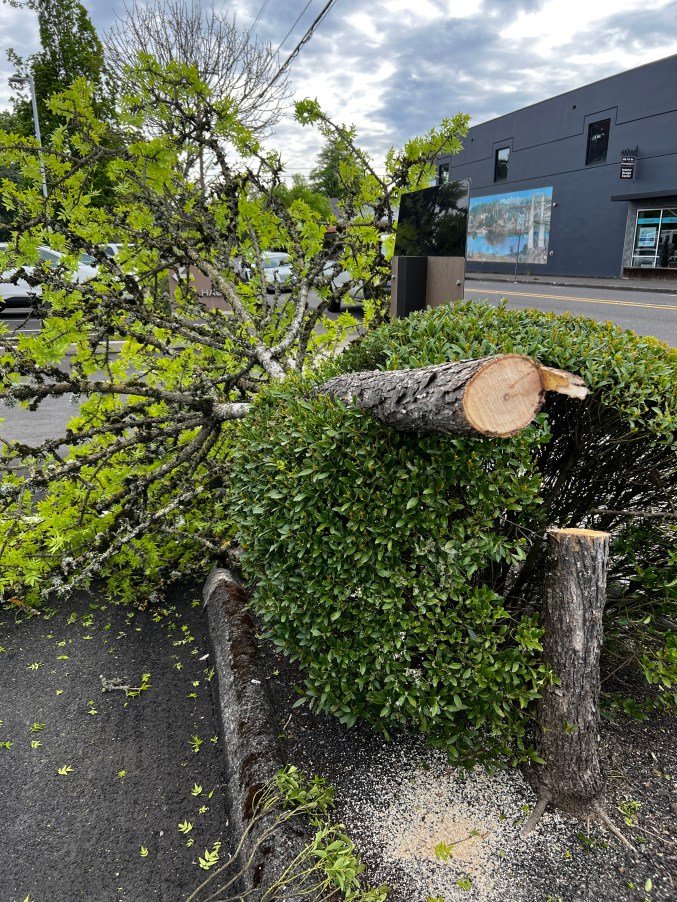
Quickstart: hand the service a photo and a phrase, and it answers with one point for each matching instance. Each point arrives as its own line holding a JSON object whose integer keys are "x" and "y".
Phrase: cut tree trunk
{"x": 568, "y": 711}
{"x": 494, "y": 396}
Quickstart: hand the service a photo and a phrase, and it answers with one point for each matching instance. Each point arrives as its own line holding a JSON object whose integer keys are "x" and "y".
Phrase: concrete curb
{"x": 246, "y": 726}
{"x": 564, "y": 282}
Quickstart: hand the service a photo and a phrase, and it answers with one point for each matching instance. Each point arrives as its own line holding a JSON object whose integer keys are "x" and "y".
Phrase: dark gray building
{"x": 582, "y": 184}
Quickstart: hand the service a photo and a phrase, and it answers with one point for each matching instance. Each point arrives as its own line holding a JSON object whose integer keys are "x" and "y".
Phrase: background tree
{"x": 70, "y": 49}
{"x": 229, "y": 62}
{"x": 8, "y": 123}
{"x": 301, "y": 190}
{"x": 144, "y": 492}
{"x": 327, "y": 177}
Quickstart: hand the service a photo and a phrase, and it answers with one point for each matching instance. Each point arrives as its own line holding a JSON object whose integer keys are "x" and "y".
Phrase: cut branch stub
{"x": 494, "y": 396}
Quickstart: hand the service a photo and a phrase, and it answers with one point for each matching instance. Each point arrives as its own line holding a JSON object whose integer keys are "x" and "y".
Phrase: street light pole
{"x": 28, "y": 79}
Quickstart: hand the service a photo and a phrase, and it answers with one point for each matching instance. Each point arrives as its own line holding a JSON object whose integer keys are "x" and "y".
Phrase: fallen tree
{"x": 163, "y": 379}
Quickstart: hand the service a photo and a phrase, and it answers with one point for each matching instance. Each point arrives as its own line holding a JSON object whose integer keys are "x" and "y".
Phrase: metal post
{"x": 23, "y": 79}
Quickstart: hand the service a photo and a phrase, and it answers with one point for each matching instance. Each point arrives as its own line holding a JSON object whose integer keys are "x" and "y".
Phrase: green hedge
{"x": 403, "y": 572}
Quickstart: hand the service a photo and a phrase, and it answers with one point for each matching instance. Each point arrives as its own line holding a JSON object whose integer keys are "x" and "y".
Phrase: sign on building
{"x": 628, "y": 161}
{"x": 204, "y": 289}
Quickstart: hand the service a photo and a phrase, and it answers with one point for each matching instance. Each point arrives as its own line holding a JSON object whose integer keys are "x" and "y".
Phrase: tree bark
{"x": 568, "y": 712}
{"x": 494, "y": 396}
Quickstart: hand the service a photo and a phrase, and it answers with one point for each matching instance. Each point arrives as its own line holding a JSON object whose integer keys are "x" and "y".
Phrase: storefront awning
{"x": 649, "y": 195}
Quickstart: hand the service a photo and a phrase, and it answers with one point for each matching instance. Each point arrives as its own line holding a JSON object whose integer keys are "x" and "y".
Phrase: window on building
{"x": 656, "y": 238}
{"x": 501, "y": 164}
{"x": 443, "y": 174}
{"x": 598, "y": 141}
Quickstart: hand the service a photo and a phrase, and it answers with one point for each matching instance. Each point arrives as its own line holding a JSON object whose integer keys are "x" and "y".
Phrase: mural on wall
{"x": 504, "y": 228}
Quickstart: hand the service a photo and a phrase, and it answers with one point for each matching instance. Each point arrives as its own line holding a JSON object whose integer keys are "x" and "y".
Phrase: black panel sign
{"x": 628, "y": 160}
{"x": 433, "y": 222}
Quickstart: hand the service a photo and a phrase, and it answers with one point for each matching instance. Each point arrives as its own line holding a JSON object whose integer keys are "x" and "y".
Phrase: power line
{"x": 293, "y": 26}
{"x": 259, "y": 14}
{"x": 304, "y": 40}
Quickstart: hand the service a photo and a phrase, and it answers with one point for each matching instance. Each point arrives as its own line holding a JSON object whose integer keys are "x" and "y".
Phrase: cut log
{"x": 568, "y": 711}
{"x": 494, "y": 396}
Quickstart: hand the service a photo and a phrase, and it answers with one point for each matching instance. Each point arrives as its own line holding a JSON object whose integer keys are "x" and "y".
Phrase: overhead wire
{"x": 259, "y": 14}
{"x": 304, "y": 40}
{"x": 298, "y": 19}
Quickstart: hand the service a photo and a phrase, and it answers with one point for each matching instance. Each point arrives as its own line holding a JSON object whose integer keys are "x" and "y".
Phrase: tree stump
{"x": 568, "y": 711}
{"x": 494, "y": 396}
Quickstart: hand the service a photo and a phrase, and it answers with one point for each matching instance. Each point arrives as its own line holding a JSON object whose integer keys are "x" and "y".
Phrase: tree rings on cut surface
{"x": 504, "y": 395}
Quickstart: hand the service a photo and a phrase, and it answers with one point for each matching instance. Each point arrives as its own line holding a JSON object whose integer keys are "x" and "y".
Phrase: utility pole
{"x": 15, "y": 81}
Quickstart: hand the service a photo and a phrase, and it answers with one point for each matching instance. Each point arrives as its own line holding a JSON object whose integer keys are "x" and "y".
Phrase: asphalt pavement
{"x": 649, "y": 309}
{"x": 107, "y": 793}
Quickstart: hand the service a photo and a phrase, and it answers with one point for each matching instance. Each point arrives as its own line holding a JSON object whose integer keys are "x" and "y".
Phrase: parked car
{"x": 19, "y": 296}
{"x": 276, "y": 269}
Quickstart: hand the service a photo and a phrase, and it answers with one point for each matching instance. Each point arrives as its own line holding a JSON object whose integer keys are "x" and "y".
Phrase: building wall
{"x": 548, "y": 141}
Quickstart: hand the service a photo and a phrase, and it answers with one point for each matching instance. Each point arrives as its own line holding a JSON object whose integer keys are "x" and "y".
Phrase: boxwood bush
{"x": 403, "y": 572}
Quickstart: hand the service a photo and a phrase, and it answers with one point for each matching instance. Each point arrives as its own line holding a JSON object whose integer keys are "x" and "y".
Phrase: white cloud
{"x": 559, "y": 21}
{"x": 368, "y": 26}
{"x": 395, "y": 68}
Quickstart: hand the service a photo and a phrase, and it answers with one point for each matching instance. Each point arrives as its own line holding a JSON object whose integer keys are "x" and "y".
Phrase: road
{"x": 645, "y": 312}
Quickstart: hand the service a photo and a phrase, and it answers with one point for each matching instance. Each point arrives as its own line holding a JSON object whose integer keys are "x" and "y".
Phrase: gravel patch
{"x": 433, "y": 832}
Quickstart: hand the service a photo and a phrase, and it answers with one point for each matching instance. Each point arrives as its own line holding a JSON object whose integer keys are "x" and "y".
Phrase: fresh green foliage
{"x": 629, "y": 810}
{"x": 404, "y": 572}
{"x": 65, "y": 769}
{"x": 326, "y": 868}
{"x": 210, "y": 857}
{"x": 443, "y": 851}
{"x": 162, "y": 380}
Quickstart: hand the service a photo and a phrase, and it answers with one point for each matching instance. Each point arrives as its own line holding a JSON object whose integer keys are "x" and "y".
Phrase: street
{"x": 645, "y": 312}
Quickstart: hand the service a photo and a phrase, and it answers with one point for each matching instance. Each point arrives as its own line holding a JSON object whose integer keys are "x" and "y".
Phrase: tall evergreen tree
{"x": 70, "y": 49}
{"x": 300, "y": 190}
{"x": 327, "y": 178}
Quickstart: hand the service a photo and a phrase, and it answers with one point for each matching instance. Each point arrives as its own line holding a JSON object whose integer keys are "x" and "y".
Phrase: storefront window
{"x": 656, "y": 238}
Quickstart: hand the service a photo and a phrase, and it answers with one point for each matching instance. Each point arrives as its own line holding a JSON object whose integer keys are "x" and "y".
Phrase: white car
{"x": 19, "y": 296}
{"x": 277, "y": 270}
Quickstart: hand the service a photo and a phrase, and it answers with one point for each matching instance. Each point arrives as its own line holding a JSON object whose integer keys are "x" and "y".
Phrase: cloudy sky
{"x": 395, "y": 68}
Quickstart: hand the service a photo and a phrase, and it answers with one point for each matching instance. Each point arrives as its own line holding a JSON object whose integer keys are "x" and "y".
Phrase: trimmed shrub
{"x": 403, "y": 572}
